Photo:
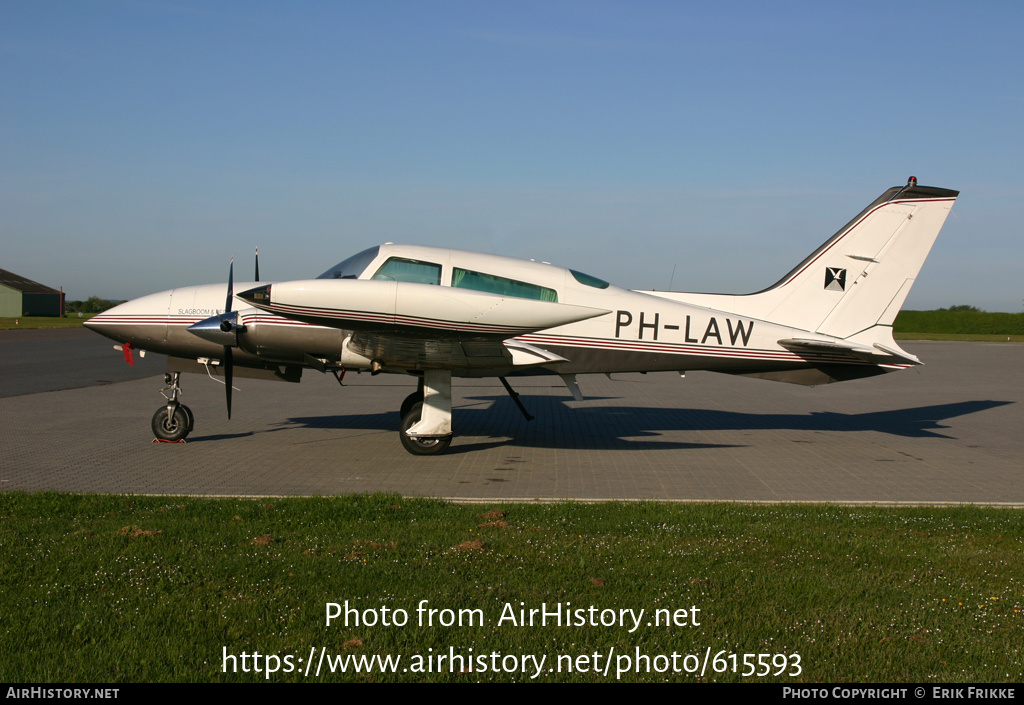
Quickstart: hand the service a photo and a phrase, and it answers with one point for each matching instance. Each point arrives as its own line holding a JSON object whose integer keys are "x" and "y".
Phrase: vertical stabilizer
{"x": 860, "y": 277}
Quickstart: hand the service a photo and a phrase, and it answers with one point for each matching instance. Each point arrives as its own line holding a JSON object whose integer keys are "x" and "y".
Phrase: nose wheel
{"x": 172, "y": 424}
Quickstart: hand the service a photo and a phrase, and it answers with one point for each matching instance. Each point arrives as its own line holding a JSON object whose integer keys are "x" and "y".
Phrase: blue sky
{"x": 144, "y": 143}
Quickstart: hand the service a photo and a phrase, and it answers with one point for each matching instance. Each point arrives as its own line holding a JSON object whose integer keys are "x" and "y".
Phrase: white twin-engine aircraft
{"x": 436, "y": 313}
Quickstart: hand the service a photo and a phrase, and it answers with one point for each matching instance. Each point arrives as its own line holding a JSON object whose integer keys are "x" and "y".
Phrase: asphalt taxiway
{"x": 951, "y": 431}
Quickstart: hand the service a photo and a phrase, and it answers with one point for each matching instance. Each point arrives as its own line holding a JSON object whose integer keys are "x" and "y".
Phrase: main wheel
{"x": 410, "y": 401}
{"x": 173, "y": 429}
{"x": 420, "y": 446}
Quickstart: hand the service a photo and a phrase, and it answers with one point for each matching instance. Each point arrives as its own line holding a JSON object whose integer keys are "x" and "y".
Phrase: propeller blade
{"x": 257, "y": 264}
{"x": 228, "y": 373}
{"x": 231, "y": 287}
{"x": 228, "y": 355}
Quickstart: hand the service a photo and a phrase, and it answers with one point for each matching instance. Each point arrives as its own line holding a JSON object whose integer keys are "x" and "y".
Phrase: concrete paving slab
{"x": 948, "y": 432}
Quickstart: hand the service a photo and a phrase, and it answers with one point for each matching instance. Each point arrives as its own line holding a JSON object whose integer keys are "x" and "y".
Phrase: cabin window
{"x": 488, "y": 283}
{"x": 588, "y": 280}
{"x": 353, "y": 266}
{"x": 409, "y": 270}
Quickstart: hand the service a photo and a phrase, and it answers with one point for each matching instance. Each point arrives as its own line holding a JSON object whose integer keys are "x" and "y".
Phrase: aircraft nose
{"x": 108, "y": 324}
{"x": 110, "y": 321}
{"x": 140, "y": 321}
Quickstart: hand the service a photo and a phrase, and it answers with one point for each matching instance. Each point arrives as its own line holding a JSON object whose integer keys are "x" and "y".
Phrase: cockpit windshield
{"x": 353, "y": 266}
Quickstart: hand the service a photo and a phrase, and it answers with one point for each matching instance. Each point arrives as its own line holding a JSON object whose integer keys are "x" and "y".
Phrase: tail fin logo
{"x": 835, "y": 279}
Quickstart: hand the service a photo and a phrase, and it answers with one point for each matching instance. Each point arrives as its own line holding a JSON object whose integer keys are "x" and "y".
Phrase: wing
{"x": 422, "y": 326}
{"x": 494, "y": 356}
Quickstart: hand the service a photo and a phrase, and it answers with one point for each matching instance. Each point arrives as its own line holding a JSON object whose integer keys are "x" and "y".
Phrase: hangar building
{"x": 23, "y": 297}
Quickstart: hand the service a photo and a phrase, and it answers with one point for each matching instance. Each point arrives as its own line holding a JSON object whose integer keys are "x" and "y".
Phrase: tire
{"x": 174, "y": 430}
{"x": 421, "y": 446}
{"x": 410, "y": 401}
{"x": 190, "y": 416}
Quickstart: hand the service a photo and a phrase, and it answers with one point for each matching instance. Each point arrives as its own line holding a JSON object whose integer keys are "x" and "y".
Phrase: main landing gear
{"x": 426, "y": 427}
{"x": 174, "y": 421}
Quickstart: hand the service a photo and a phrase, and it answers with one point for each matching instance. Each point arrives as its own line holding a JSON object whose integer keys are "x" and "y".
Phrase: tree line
{"x": 93, "y": 304}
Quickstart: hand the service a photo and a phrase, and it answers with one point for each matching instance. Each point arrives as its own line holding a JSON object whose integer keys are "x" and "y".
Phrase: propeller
{"x": 223, "y": 329}
{"x": 226, "y": 325}
{"x": 257, "y": 264}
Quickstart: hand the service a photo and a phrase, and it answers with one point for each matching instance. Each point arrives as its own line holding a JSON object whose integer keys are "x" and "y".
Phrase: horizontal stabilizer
{"x": 798, "y": 344}
{"x": 901, "y": 354}
{"x": 877, "y": 353}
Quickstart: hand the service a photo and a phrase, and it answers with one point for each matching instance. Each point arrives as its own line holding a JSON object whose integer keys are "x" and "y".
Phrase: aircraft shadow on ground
{"x": 557, "y": 425}
{"x": 221, "y": 436}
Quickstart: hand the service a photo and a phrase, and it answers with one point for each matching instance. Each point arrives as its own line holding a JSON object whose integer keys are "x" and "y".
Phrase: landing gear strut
{"x": 174, "y": 421}
{"x": 426, "y": 427}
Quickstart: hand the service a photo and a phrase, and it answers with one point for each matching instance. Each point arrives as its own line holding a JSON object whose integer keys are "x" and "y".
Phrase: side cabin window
{"x": 488, "y": 283}
{"x": 588, "y": 280}
{"x": 409, "y": 270}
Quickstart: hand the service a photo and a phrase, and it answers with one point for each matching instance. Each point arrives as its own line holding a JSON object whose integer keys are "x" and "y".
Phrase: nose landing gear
{"x": 174, "y": 421}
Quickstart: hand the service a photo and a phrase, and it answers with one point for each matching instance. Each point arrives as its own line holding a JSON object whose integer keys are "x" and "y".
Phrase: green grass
{"x": 109, "y": 588}
{"x": 980, "y": 325}
{"x": 28, "y": 322}
{"x": 965, "y": 337}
